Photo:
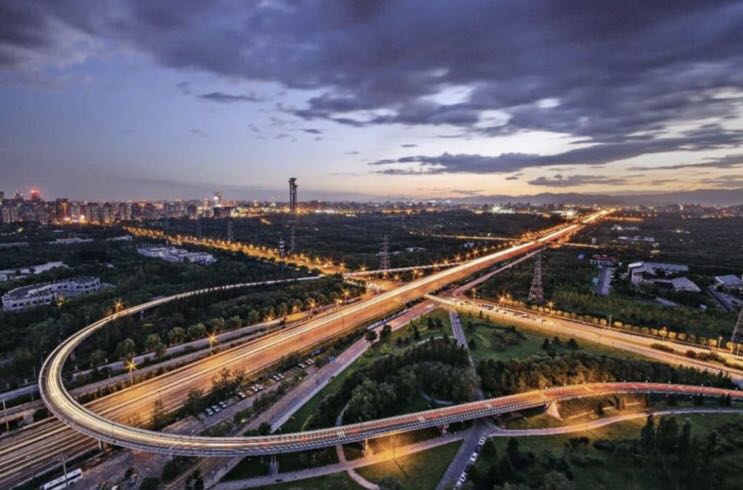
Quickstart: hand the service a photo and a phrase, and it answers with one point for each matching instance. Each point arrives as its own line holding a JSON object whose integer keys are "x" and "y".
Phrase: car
{"x": 242, "y": 395}
{"x": 482, "y": 441}
{"x": 302, "y": 365}
{"x": 209, "y": 412}
{"x": 281, "y": 376}
{"x": 216, "y": 408}
{"x": 462, "y": 478}
{"x": 473, "y": 458}
{"x": 223, "y": 404}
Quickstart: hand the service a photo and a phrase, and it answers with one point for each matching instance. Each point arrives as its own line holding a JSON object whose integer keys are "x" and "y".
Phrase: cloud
{"x": 312, "y": 130}
{"x": 408, "y": 145}
{"x": 725, "y": 162}
{"x": 228, "y": 98}
{"x": 705, "y": 138}
{"x": 577, "y": 180}
{"x": 619, "y": 76}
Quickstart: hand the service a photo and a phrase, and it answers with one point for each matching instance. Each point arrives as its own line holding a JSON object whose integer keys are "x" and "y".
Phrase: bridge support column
{"x": 444, "y": 429}
{"x": 101, "y": 446}
{"x": 365, "y": 447}
{"x": 274, "y": 465}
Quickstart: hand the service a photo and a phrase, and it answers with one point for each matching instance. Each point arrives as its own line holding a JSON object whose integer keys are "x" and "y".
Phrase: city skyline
{"x": 140, "y": 100}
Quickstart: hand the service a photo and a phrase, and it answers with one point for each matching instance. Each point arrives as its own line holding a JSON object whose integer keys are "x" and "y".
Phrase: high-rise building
{"x": 36, "y": 195}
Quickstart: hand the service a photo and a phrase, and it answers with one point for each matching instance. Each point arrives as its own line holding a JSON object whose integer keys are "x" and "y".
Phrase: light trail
{"x": 271, "y": 349}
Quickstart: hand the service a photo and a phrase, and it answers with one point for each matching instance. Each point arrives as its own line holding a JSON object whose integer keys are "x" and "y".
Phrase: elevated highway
{"x": 39, "y": 446}
{"x": 100, "y": 428}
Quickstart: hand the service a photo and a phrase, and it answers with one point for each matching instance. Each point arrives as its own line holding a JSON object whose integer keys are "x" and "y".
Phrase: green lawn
{"x": 390, "y": 345}
{"x": 338, "y": 481}
{"x": 593, "y": 468}
{"x": 248, "y": 468}
{"x": 420, "y": 471}
{"x": 489, "y": 334}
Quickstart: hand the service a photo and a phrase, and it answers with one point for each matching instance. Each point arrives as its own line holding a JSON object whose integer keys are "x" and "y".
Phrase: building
{"x": 647, "y": 272}
{"x": 172, "y": 254}
{"x": 604, "y": 261}
{"x": 21, "y": 272}
{"x": 729, "y": 282}
{"x": 678, "y": 284}
{"x": 28, "y": 297}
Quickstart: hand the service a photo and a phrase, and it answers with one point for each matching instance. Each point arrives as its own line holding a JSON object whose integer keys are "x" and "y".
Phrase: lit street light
{"x": 131, "y": 367}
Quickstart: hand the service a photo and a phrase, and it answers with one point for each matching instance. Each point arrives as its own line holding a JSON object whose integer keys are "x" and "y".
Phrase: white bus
{"x": 64, "y": 481}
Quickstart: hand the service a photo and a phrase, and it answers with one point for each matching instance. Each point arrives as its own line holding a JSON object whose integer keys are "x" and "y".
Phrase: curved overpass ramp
{"x": 93, "y": 425}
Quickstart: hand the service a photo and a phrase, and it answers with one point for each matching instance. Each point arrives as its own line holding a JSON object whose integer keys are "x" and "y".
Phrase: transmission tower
{"x": 384, "y": 254}
{"x": 738, "y": 331}
{"x": 230, "y": 232}
{"x": 536, "y": 292}
{"x": 292, "y": 242}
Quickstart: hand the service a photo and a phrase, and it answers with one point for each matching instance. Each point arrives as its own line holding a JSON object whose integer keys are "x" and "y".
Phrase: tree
{"x": 647, "y": 435}
{"x": 371, "y": 336}
{"x": 253, "y": 317}
{"x": 685, "y": 441}
{"x": 195, "y": 401}
{"x": 158, "y": 414}
{"x": 153, "y": 343}
{"x": 176, "y": 335}
{"x": 572, "y": 344}
{"x": 197, "y": 331}
{"x": 386, "y": 331}
{"x": 125, "y": 349}
{"x": 472, "y": 344}
{"x": 195, "y": 481}
{"x": 546, "y": 344}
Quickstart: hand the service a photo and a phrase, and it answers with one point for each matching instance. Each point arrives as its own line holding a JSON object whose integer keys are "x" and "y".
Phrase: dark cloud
{"x": 312, "y": 130}
{"x": 223, "y": 97}
{"x": 723, "y": 162}
{"x": 705, "y": 138}
{"x": 577, "y": 180}
{"x": 408, "y": 145}
{"x": 617, "y": 75}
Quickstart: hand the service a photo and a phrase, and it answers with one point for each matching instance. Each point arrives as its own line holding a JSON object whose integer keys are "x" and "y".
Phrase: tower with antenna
{"x": 293, "y": 195}
{"x": 384, "y": 254}
{"x": 536, "y": 291}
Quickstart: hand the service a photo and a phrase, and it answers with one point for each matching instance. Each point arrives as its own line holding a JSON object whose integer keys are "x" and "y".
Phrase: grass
{"x": 419, "y": 471}
{"x": 338, "y": 481}
{"x": 307, "y": 459}
{"x": 249, "y": 467}
{"x": 611, "y": 470}
{"x": 529, "y": 344}
{"x": 301, "y": 418}
{"x": 390, "y": 346}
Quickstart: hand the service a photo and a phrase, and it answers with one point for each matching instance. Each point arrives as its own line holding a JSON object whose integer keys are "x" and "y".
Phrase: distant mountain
{"x": 707, "y": 197}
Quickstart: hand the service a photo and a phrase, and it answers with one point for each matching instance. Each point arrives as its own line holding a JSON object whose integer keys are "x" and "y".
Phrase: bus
{"x": 64, "y": 481}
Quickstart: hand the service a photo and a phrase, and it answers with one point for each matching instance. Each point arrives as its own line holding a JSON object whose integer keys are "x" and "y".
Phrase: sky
{"x": 146, "y": 99}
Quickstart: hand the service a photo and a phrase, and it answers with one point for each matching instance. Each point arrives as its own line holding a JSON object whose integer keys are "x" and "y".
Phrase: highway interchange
{"x": 106, "y": 419}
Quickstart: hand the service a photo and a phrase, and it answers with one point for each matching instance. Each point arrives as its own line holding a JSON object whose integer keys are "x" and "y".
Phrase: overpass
{"x": 118, "y": 434}
{"x": 38, "y": 446}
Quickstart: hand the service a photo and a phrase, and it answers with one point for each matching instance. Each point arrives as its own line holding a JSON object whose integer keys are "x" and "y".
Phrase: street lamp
{"x": 212, "y": 341}
{"x": 131, "y": 367}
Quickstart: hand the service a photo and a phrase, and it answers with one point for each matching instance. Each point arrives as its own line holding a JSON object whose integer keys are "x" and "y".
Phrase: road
{"x": 43, "y": 445}
{"x": 173, "y": 387}
{"x": 299, "y": 475}
{"x": 479, "y": 428}
{"x": 612, "y": 338}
